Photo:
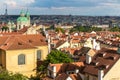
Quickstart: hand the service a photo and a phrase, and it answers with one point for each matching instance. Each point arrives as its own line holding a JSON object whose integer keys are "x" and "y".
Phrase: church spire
{"x": 27, "y": 13}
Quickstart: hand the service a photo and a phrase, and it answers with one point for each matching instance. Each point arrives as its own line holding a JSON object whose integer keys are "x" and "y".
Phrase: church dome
{"x": 22, "y": 19}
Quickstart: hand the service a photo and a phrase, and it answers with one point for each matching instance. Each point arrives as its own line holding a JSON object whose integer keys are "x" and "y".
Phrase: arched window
{"x": 21, "y": 59}
{"x": 38, "y": 54}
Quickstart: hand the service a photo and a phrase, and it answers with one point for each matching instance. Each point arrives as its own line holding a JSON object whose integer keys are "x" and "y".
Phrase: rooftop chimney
{"x": 88, "y": 59}
{"x": 98, "y": 46}
{"x": 49, "y": 45}
{"x": 76, "y": 71}
{"x": 94, "y": 43}
{"x": 118, "y": 51}
{"x": 54, "y": 71}
{"x": 100, "y": 74}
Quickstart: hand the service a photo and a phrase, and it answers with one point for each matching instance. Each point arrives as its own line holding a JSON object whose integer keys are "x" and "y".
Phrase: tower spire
{"x": 6, "y": 13}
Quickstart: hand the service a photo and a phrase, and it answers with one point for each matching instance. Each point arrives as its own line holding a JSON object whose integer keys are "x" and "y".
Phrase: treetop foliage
{"x": 56, "y": 56}
{"x": 85, "y": 29}
{"x": 5, "y": 75}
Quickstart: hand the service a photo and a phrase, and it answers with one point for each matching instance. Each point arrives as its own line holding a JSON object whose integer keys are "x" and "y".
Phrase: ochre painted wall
{"x": 9, "y": 60}
{"x": 114, "y": 72}
{"x": 44, "y": 51}
{"x": 28, "y": 68}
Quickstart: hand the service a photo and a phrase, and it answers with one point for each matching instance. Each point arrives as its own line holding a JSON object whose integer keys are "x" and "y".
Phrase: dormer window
{"x": 5, "y": 44}
{"x": 41, "y": 40}
{"x": 102, "y": 54}
{"x": 70, "y": 72}
{"x": 30, "y": 41}
{"x": 106, "y": 66}
{"x": 112, "y": 58}
{"x": 95, "y": 63}
{"x": 19, "y": 43}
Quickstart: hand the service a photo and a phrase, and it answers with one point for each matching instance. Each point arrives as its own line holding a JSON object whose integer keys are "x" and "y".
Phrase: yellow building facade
{"x": 18, "y": 56}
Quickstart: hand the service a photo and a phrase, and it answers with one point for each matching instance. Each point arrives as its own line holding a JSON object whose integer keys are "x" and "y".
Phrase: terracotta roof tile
{"x": 62, "y": 68}
{"x": 75, "y": 77}
{"x": 21, "y": 42}
{"x": 62, "y": 76}
{"x": 105, "y": 59}
{"x": 70, "y": 50}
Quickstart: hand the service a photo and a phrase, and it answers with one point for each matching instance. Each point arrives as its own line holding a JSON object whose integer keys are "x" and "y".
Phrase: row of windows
{"x": 21, "y": 57}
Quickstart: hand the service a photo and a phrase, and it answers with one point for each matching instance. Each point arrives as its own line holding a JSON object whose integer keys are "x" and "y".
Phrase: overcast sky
{"x": 62, "y": 7}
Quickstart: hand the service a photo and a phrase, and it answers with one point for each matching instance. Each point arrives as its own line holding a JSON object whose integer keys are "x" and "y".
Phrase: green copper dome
{"x": 22, "y": 19}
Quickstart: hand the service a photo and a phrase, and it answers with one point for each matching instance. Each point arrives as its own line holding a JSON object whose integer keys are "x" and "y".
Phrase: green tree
{"x": 42, "y": 69}
{"x": 52, "y": 27}
{"x": 6, "y": 75}
{"x": 59, "y": 30}
{"x": 56, "y": 56}
{"x": 84, "y": 29}
{"x": 113, "y": 29}
{"x": 79, "y": 28}
{"x": 72, "y": 30}
{"x": 18, "y": 76}
{"x": 5, "y": 28}
{"x": 95, "y": 29}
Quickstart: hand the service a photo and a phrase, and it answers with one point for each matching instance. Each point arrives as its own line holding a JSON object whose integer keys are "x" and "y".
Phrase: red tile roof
{"x": 104, "y": 59}
{"x": 15, "y": 42}
{"x": 64, "y": 76}
{"x": 62, "y": 68}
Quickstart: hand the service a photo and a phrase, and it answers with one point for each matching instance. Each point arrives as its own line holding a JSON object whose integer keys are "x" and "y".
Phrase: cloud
{"x": 18, "y": 3}
{"x": 28, "y": 1}
{"x": 77, "y": 7}
{"x": 70, "y": 3}
{"x": 62, "y": 3}
{"x": 10, "y": 3}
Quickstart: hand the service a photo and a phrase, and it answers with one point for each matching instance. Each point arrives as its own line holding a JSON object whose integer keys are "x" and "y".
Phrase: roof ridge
{"x": 7, "y": 41}
{"x": 11, "y": 43}
{"x": 8, "y": 37}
